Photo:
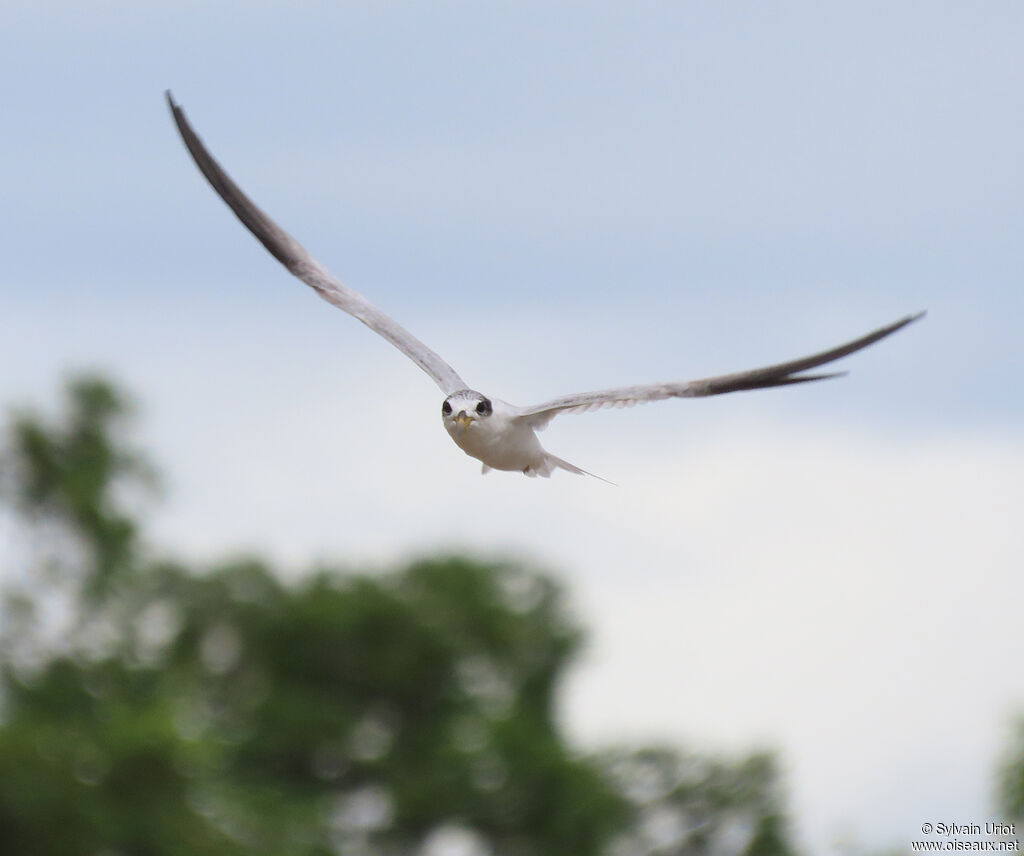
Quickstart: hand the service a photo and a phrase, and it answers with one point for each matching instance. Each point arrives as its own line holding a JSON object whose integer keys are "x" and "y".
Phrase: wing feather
{"x": 780, "y": 374}
{"x": 301, "y": 264}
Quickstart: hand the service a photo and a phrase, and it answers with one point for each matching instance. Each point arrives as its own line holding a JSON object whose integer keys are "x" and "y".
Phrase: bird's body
{"x": 500, "y": 438}
{"x": 502, "y": 442}
{"x": 500, "y": 435}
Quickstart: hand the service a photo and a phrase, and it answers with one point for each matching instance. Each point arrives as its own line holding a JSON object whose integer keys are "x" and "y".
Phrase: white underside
{"x": 503, "y": 442}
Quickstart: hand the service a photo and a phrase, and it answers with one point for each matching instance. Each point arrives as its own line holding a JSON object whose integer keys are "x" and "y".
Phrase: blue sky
{"x": 560, "y": 197}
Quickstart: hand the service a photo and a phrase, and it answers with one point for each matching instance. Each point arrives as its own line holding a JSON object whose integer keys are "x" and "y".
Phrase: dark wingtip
{"x": 903, "y": 322}
{"x": 807, "y": 378}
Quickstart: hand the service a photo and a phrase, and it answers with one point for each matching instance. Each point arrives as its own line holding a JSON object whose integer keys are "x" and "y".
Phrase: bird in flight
{"x": 502, "y": 436}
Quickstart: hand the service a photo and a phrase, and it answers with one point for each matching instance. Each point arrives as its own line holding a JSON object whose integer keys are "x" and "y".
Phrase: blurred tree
{"x": 695, "y": 804}
{"x": 220, "y": 711}
{"x": 1010, "y": 779}
{"x": 66, "y": 476}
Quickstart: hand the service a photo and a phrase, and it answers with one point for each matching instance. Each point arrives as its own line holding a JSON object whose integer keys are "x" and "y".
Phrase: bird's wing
{"x": 299, "y": 262}
{"x": 782, "y": 374}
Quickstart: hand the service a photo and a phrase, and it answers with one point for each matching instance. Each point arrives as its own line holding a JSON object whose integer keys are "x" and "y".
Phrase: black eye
{"x": 446, "y": 409}
{"x": 484, "y": 408}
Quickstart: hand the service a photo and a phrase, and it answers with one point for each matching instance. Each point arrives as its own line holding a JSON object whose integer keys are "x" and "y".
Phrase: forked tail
{"x": 552, "y": 463}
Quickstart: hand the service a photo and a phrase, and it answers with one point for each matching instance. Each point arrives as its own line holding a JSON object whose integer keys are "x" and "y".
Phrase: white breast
{"x": 499, "y": 440}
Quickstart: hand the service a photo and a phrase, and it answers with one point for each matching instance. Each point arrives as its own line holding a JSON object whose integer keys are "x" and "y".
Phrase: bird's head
{"x": 461, "y": 409}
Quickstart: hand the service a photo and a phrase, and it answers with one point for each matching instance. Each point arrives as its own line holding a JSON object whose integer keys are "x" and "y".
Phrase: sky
{"x": 557, "y": 198}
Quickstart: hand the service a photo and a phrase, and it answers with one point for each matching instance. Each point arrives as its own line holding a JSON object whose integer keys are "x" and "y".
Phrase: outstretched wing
{"x": 299, "y": 262}
{"x": 782, "y": 374}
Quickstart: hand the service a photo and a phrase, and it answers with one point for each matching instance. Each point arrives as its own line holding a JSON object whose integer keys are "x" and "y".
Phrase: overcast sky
{"x": 560, "y": 197}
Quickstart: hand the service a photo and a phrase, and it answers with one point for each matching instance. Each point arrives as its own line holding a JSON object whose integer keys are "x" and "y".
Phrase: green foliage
{"x": 1011, "y": 777}
{"x": 697, "y": 804}
{"x": 219, "y": 711}
{"x": 67, "y": 475}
